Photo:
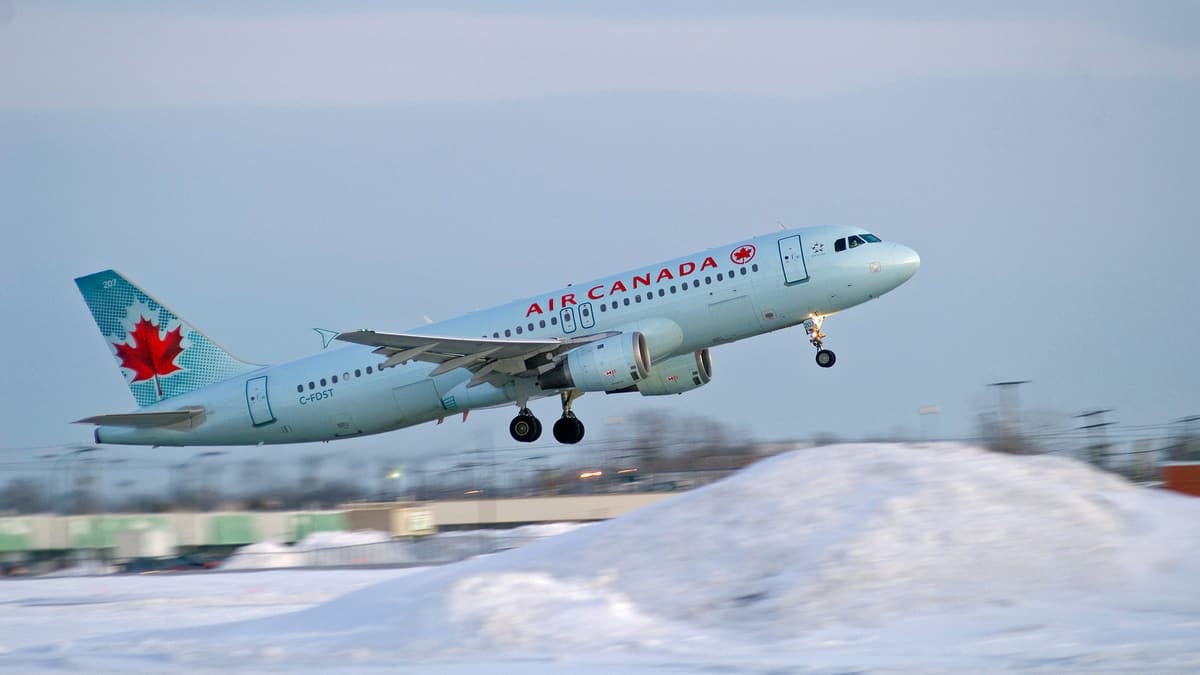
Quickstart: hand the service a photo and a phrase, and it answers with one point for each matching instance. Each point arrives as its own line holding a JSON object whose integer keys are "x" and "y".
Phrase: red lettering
{"x": 686, "y": 268}
{"x": 664, "y": 275}
{"x": 596, "y": 292}
{"x": 551, "y": 304}
{"x": 534, "y": 309}
{"x": 618, "y": 285}
{"x": 644, "y": 280}
{"x": 708, "y": 262}
{"x": 568, "y": 299}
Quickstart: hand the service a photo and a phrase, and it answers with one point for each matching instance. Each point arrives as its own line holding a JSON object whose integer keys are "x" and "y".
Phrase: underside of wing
{"x": 488, "y": 359}
{"x": 188, "y": 418}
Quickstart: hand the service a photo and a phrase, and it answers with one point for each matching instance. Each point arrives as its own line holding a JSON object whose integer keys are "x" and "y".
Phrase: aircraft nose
{"x": 907, "y": 261}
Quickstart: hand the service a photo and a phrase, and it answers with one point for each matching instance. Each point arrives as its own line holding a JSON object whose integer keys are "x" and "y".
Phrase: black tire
{"x": 826, "y": 358}
{"x": 568, "y": 430}
{"x": 525, "y": 428}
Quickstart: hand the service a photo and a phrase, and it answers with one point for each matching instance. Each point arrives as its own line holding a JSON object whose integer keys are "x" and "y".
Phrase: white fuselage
{"x": 688, "y": 304}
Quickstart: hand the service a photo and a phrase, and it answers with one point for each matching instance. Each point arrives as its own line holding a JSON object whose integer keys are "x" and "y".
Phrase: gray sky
{"x": 280, "y": 166}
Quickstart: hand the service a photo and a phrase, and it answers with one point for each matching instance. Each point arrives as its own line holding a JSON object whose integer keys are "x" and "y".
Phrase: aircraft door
{"x": 791, "y": 255}
{"x": 587, "y": 318}
{"x": 567, "y": 319}
{"x": 257, "y": 402}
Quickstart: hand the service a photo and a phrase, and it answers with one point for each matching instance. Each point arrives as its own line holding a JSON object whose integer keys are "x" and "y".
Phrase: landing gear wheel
{"x": 826, "y": 358}
{"x": 568, "y": 429}
{"x": 525, "y": 427}
{"x": 812, "y": 326}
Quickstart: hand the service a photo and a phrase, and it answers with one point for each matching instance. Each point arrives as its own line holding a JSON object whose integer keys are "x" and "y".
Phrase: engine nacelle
{"x": 678, "y": 374}
{"x": 612, "y": 363}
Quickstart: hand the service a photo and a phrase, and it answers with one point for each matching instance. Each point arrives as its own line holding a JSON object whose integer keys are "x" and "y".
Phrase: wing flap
{"x": 484, "y": 357}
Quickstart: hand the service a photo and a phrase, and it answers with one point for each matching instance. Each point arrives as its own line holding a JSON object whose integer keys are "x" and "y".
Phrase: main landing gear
{"x": 568, "y": 429}
{"x": 525, "y": 427}
{"x": 812, "y": 326}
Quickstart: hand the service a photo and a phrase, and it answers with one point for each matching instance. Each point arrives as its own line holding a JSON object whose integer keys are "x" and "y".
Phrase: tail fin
{"x": 159, "y": 354}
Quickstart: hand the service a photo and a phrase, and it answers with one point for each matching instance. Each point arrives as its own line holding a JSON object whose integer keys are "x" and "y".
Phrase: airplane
{"x": 648, "y": 330}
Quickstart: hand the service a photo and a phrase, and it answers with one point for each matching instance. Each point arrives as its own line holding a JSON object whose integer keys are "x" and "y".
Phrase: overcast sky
{"x": 279, "y": 166}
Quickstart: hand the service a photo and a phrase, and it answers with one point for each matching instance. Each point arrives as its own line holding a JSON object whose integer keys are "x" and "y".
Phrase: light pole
{"x": 187, "y": 465}
{"x": 63, "y": 463}
{"x": 927, "y": 414}
{"x": 1097, "y": 453}
{"x": 1010, "y": 412}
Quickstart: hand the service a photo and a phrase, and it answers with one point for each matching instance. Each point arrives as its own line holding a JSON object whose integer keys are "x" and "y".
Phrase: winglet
{"x": 327, "y": 336}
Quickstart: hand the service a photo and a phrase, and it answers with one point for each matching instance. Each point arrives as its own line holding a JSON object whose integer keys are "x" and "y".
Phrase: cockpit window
{"x": 855, "y": 240}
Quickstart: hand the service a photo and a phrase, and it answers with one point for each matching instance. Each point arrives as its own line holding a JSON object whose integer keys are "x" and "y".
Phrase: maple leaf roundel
{"x": 742, "y": 254}
{"x": 147, "y": 354}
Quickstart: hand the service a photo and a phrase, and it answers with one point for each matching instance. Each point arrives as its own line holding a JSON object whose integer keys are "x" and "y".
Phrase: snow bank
{"x": 274, "y": 555}
{"x": 841, "y": 557}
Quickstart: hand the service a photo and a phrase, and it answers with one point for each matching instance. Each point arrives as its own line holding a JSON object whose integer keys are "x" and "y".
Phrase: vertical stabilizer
{"x": 159, "y": 354}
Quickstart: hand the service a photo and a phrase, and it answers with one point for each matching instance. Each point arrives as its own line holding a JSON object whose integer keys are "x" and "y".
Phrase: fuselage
{"x": 698, "y": 301}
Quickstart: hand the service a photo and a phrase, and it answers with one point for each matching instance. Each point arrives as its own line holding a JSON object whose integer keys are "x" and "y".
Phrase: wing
{"x": 188, "y": 418}
{"x": 488, "y": 359}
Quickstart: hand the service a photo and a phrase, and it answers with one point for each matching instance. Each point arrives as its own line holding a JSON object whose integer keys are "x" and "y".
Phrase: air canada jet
{"x": 648, "y": 330}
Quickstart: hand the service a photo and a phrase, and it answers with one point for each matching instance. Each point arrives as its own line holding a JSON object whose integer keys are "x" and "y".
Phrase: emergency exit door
{"x": 791, "y": 256}
{"x": 257, "y": 403}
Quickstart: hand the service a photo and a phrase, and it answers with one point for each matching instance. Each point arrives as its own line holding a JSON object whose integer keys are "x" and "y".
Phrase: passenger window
{"x": 743, "y": 271}
{"x": 357, "y": 372}
{"x": 672, "y": 288}
{"x": 541, "y": 324}
{"x": 695, "y": 283}
{"x": 335, "y": 379}
{"x": 661, "y": 292}
{"x": 839, "y": 245}
{"x": 518, "y": 330}
{"x": 637, "y": 298}
{"x": 554, "y": 321}
{"x": 626, "y": 302}
{"x": 368, "y": 370}
{"x": 603, "y": 307}
{"x": 720, "y": 276}
{"x": 614, "y": 304}
{"x": 754, "y": 267}
{"x": 299, "y": 388}
{"x": 707, "y": 280}
{"x": 495, "y": 335}
{"x": 507, "y": 332}
{"x": 311, "y": 386}
{"x": 322, "y": 382}
{"x": 529, "y": 328}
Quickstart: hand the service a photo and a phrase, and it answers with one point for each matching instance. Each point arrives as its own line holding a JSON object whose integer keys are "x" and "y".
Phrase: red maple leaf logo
{"x": 148, "y": 355}
{"x": 742, "y": 254}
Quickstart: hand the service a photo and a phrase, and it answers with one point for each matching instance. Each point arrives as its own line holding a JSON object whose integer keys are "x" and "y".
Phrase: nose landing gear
{"x": 812, "y": 326}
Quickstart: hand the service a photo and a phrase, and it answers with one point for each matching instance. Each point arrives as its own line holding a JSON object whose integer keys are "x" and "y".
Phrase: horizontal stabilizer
{"x": 188, "y": 417}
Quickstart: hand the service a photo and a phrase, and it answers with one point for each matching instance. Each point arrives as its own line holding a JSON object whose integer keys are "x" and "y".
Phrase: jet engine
{"x": 677, "y": 374}
{"x": 612, "y": 363}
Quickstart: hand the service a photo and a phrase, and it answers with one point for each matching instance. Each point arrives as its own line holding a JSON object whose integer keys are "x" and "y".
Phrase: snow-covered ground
{"x": 852, "y": 557}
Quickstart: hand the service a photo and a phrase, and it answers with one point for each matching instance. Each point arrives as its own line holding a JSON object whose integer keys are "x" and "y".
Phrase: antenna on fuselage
{"x": 781, "y": 225}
